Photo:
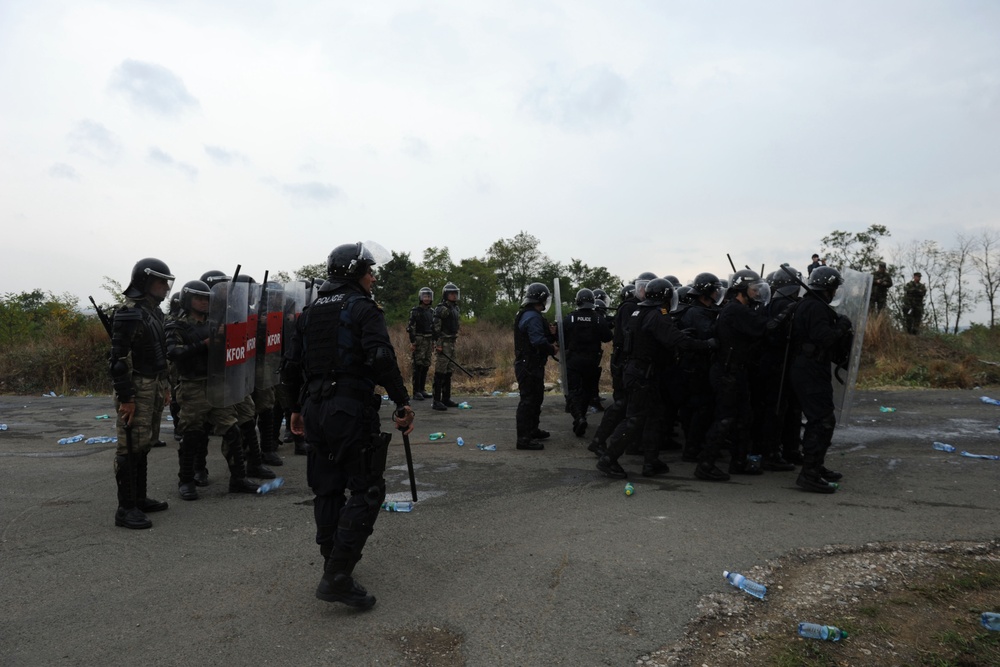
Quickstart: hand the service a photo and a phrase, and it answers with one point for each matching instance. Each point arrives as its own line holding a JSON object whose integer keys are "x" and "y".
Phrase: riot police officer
{"x": 340, "y": 352}
{"x": 420, "y": 328}
{"x": 819, "y": 336}
{"x": 534, "y": 343}
{"x": 698, "y": 321}
{"x": 584, "y": 330}
{"x": 138, "y": 368}
{"x": 447, "y": 321}
{"x": 651, "y": 342}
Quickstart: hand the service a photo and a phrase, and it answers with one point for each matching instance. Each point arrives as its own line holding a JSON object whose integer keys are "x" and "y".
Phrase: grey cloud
{"x": 592, "y": 97}
{"x": 62, "y": 170}
{"x": 162, "y": 158}
{"x": 312, "y": 192}
{"x": 94, "y": 141}
{"x": 416, "y": 148}
{"x": 225, "y": 157}
{"x": 151, "y": 87}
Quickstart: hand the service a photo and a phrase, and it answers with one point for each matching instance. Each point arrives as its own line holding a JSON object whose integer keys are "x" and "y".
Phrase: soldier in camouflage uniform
{"x": 446, "y": 324}
{"x": 881, "y": 282}
{"x": 421, "y": 331}
{"x": 138, "y": 368}
{"x": 913, "y": 304}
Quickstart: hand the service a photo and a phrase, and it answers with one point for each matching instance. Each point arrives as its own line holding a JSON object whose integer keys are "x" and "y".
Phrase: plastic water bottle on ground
{"x": 988, "y": 400}
{"x": 3, "y": 427}
{"x": 105, "y": 416}
{"x": 436, "y": 436}
{"x": 275, "y": 483}
{"x": 460, "y": 441}
{"x": 397, "y": 506}
{"x": 464, "y": 405}
{"x": 990, "y": 620}
{"x": 71, "y": 440}
{"x": 629, "y": 489}
{"x": 885, "y": 409}
{"x": 487, "y": 448}
{"x": 988, "y": 457}
{"x": 943, "y": 447}
{"x": 99, "y": 440}
{"x": 826, "y": 632}
{"x": 744, "y": 584}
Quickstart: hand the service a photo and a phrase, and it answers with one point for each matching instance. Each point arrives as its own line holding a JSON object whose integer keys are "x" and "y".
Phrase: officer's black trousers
{"x": 531, "y": 384}
{"x": 811, "y": 381}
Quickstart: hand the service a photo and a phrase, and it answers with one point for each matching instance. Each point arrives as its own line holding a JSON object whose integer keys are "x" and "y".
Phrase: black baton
{"x": 409, "y": 456}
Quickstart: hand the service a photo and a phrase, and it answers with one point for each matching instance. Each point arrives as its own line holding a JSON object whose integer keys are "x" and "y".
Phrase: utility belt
{"x": 152, "y": 375}
{"x": 345, "y": 386}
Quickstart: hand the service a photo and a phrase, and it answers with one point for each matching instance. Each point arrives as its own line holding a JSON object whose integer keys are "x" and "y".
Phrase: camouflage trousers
{"x": 422, "y": 351}
{"x": 158, "y": 417}
{"x": 245, "y": 410}
{"x": 263, "y": 399}
{"x": 148, "y": 409}
{"x": 196, "y": 411}
{"x": 443, "y": 364}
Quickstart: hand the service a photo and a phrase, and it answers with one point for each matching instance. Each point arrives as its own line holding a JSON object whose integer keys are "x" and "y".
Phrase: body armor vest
{"x": 585, "y": 339}
{"x": 195, "y": 366}
{"x": 524, "y": 351}
{"x": 421, "y": 321}
{"x": 331, "y": 343}
{"x": 447, "y": 314}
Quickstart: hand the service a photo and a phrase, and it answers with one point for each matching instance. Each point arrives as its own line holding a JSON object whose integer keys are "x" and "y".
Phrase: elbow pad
{"x": 382, "y": 360}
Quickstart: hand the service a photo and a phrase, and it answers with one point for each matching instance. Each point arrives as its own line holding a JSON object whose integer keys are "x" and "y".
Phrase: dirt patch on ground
{"x": 915, "y": 603}
{"x": 430, "y": 647}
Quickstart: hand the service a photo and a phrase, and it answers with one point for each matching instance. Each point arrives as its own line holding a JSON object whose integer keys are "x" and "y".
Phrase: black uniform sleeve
{"x": 661, "y": 327}
{"x": 292, "y": 376}
{"x": 379, "y": 353}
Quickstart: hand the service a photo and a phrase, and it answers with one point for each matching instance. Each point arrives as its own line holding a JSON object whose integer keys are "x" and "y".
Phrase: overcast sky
{"x": 633, "y": 135}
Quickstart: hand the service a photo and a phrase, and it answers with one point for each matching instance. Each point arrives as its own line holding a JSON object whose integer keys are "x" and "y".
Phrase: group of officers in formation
{"x": 735, "y": 367}
{"x": 736, "y": 364}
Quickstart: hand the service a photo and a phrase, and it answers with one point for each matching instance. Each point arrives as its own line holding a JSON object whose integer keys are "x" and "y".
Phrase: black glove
{"x": 712, "y": 343}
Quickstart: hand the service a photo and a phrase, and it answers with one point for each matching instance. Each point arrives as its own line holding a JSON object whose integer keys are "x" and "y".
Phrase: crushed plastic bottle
{"x": 629, "y": 489}
{"x": 460, "y": 441}
{"x": 397, "y": 506}
{"x": 988, "y": 400}
{"x": 267, "y": 487}
{"x": 990, "y": 620}
{"x": 744, "y": 584}
{"x": 487, "y": 448}
{"x": 3, "y": 427}
{"x": 436, "y": 436}
{"x": 988, "y": 457}
{"x": 104, "y": 416}
{"x": 497, "y": 393}
{"x": 100, "y": 440}
{"x": 464, "y": 405}
{"x": 51, "y": 394}
{"x": 70, "y": 440}
{"x": 828, "y": 633}
{"x": 943, "y": 446}
{"x": 885, "y": 409}
{"x": 170, "y": 418}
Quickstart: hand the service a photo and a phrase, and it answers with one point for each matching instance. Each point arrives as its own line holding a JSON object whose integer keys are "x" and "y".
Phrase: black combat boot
{"x": 529, "y": 444}
{"x": 611, "y": 468}
{"x": 654, "y": 468}
{"x": 143, "y": 502}
{"x": 268, "y": 443}
{"x": 418, "y": 394}
{"x": 707, "y": 471}
{"x": 423, "y": 381}
{"x": 251, "y": 448}
{"x": 127, "y": 515}
{"x": 446, "y": 392}
{"x": 540, "y": 434}
{"x": 233, "y": 444}
{"x": 776, "y": 463}
{"x": 438, "y": 388}
{"x": 811, "y": 477}
{"x": 201, "y": 463}
{"x": 337, "y": 584}
{"x": 187, "y": 486}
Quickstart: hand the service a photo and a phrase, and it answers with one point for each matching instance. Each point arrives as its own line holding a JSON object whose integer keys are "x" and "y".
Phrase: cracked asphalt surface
{"x": 509, "y": 558}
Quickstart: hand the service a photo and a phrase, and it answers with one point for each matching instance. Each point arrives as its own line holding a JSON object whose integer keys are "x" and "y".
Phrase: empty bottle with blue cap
{"x": 744, "y": 584}
{"x": 828, "y": 633}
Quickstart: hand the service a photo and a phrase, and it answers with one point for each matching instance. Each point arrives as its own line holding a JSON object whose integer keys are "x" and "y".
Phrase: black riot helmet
{"x": 537, "y": 293}
{"x": 601, "y": 295}
{"x": 142, "y": 272}
{"x": 749, "y": 282}
{"x": 191, "y": 289}
{"x": 425, "y": 292}
{"x": 684, "y": 295}
{"x": 660, "y": 292}
{"x": 628, "y": 292}
{"x": 673, "y": 280}
{"x": 825, "y": 278}
{"x": 585, "y": 299}
{"x": 641, "y": 281}
{"x": 784, "y": 284}
{"x": 707, "y": 285}
{"x": 214, "y": 277}
{"x": 349, "y": 260}
{"x": 175, "y": 304}
{"x": 450, "y": 288}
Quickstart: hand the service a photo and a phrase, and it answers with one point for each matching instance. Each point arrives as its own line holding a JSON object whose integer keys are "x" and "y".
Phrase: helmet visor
{"x": 760, "y": 292}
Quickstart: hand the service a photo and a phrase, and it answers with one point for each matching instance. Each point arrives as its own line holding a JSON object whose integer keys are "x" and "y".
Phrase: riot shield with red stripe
{"x": 230, "y": 357}
{"x": 270, "y": 313}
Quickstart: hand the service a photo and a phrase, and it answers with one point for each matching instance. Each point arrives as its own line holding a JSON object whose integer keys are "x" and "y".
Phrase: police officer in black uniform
{"x": 340, "y": 352}
{"x": 420, "y": 329}
{"x": 819, "y": 336}
{"x": 584, "y": 331}
{"x": 138, "y": 368}
{"x": 740, "y": 330}
{"x": 534, "y": 343}
{"x": 651, "y": 342}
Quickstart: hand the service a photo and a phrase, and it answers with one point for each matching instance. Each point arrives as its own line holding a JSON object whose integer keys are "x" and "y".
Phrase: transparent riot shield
{"x": 296, "y": 295}
{"x": 253, "y": 322}
{"x": 563, "y": 377}
{"x": 852, "y": 302}
{"x": 270, "y": 325}
{"x": 228, "y": 365}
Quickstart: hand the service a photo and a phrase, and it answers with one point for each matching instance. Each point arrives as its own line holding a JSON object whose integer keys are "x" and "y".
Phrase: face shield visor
{"x": 640, "y": 289}
{"x": 759, "y": 292}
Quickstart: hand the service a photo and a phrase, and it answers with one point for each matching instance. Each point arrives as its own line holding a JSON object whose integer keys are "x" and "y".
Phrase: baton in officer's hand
{"x": 401, "y": 414}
